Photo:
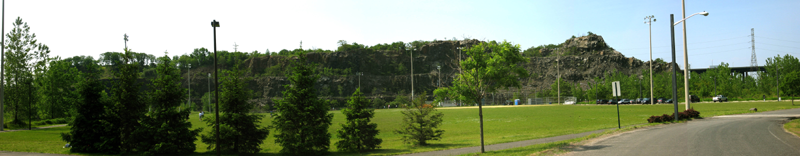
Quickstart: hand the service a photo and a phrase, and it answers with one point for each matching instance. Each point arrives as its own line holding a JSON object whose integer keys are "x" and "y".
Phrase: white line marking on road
{"x": 776, "y": 137}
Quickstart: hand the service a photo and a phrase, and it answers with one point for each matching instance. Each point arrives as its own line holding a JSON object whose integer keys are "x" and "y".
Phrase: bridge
{"x": 742, "y": 70}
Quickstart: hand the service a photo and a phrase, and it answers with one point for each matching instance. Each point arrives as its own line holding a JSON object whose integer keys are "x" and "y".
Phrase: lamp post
{"x": 439, "y": 75}
{"x": 214, "y": 25}
{"x": 648, "y": 20}
{"x": 2, "y": 68}
{"x": 674, "y": 64}
{"x": 359, "y": 79}
{"x": 189, "y": 76}
{"x": 209, "y": 90}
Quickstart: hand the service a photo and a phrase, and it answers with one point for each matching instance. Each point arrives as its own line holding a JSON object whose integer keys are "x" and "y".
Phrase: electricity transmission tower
{"x": 753, "y": 60}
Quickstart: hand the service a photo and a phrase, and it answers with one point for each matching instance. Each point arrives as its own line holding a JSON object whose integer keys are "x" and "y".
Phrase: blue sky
{"x": 73, "y": 28}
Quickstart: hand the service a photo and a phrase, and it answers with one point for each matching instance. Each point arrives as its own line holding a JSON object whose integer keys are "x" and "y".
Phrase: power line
{"x": 718, "y": 46}
{"x": 719, "y": 51}
{"x": 777, "y": 39}
{"x": 777, "y": 51}
{"x": 778, "y": 45}
{"x": 725, "y": 39}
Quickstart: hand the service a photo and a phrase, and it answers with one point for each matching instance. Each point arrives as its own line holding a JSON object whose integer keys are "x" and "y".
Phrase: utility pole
{"x": 649, "y": 24}
{"x": 236, "y": 46}
{"x": 189, "y": 75}
{"x": 2, "y": 68}
{"x": 209, "y": 90}
{"x": 558, "y": 78}
{"x": 412, "y": 75}
{"x": 685, "y": 60}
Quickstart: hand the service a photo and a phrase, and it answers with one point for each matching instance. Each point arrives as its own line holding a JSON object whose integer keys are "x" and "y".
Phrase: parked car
{"x": 661, "y": 100}
{"x": 668, "y": 101}
{"x": 612, "y": 101}
{"x": 624, "y": 101}
{"x": 694, "y": 98}
{"x": 720, "y": 98}
{"x": 645, "y": 101}
{"x": 601, "y": 101}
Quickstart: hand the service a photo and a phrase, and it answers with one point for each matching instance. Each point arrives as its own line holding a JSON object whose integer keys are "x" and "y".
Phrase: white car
{"x": 720, "y": 98}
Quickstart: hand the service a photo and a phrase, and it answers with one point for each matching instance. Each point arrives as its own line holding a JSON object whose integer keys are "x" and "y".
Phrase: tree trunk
{"x": 480, "y": 114}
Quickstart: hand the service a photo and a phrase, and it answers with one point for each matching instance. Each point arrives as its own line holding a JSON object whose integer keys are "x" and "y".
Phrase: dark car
{"x": 601, "y": 101}
{"x": 638, "y": 100}
{"x": 668, "y": 101}
{"x": 661, "y": 100}
{"x": 694, "y": 98}
{"x": 612, "y": 101}
{"x": 645, "y": 101}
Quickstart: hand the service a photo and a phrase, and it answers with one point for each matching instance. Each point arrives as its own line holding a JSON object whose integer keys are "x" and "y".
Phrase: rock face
{"x": 386, "y": 73}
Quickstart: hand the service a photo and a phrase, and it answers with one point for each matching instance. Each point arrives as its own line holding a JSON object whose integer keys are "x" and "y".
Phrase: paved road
{"x": 749, "y": 134}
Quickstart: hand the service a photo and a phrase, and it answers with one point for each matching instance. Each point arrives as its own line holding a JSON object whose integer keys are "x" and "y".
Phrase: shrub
{"x": 358, "y": 134}
{"x": 689, "y": 113}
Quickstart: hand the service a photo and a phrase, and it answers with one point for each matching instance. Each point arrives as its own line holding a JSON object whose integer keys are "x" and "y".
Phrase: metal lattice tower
{"x": 753, "y": 60}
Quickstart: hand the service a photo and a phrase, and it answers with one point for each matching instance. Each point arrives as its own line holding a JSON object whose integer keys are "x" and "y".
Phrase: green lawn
{"x": 501, "y": 124}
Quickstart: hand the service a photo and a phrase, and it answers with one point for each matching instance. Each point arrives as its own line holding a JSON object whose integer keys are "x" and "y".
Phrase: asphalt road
{"x": 750, "y": 134}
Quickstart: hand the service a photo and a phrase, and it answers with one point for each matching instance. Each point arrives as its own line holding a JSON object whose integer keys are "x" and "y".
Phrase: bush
{"x": 685, "y": 115}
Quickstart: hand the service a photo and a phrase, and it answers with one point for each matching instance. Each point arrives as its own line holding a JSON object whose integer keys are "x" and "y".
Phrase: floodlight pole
{"x": 209, "y": 90}
{"x": 215, "y": 24}
{"x": 2, "y": 68}
{"x": 674, "y": 68}
{"x": 650, "y": 19}
{"x": 189, "y": 76}
{"x": 685, "y": 60}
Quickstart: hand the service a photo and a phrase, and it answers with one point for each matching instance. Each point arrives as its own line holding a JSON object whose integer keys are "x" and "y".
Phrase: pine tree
{"x": 128, "y": 105}
{"x": 302, "y": 120}
{"x": 420, "y": 122}
{"x": 90, "y": 131}
{"x": 239, "y": 131}
{"x": 167, "y": 129}
{"x": 358, "y": 134}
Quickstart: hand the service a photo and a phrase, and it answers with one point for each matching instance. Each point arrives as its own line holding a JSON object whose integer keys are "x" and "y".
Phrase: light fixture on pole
{"x": 189, "y": 76}
{"x": 649, "y": 20}
{"x": 214, "y": 25}
{"x": 686, "y": 59}
{"x": 674, "y": 64}
{"x": 2, "y": 68}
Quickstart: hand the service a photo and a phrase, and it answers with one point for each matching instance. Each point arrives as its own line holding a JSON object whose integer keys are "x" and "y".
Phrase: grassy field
{"x": 793, "y": 126}
{"x": 501, "y": 124}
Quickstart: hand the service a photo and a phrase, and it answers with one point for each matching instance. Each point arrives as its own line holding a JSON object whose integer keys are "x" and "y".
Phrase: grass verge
{"x": 793, "y": 126}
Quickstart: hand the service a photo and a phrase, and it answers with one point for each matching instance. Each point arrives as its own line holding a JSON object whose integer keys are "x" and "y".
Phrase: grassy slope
{"x": 502, "y": 124}
{"x": 793, "y": 126}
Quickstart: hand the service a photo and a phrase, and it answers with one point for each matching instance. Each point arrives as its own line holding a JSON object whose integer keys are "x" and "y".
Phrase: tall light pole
{"x": 674, "y": 64}
{"x": 686, "y": 54}
{"x": 412, "y": 75}
{"x": 439, "y": 75}
{"x": 209, "y": 90}
{"x": 649, "y": 20}
{"x": 2, "y": 62}
{"x": 359, "y": 79}
{"x": 215, "y": 24}
{"x": 558, "y": 77}
{"x": 189, "y": 75}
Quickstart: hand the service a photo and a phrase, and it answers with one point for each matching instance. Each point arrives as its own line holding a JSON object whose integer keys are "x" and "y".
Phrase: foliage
{"x": 91, "y": 131}
{"x": 239, "y": 131}
{"x": 378, "y": 103}
{"x": 401, "y": 100}
{"x": 420, "y": 123}
{"x": 25, "y": 61}
{"x": 57, "y": 88}
{"x": 685, "y": 115}
{"x": 128, "y": 107}
{"x": 165, "y": 128}
{"x": 791, "y": 83}
{"x": 302, "y": 120}
{"x": 358, "y": 134}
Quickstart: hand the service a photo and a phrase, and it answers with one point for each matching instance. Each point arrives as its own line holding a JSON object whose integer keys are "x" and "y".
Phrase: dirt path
{"x": 35, "y": 128}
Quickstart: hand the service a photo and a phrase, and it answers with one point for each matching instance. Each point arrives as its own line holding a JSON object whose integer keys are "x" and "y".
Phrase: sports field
{"x": 502, "y": 124}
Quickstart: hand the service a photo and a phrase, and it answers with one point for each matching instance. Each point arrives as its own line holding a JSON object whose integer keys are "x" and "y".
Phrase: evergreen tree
{"x": 357, "y": 133}
{"x": 128, "y": 105}
{"x": 302, "y": 120}
{"x": 239, "y": 131}
{"x": 420, "y": 122}
{"x": 90, "y": 131}
{"x": 167, "y": 129}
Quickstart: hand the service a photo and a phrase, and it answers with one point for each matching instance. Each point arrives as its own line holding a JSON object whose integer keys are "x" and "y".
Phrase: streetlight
{"x": 439, "y": 75}
{"x": 674, "y": 64}
{"x": 209, "y": 90}
{"x": 686, "y": 56}
{"x": 359, "y": 79}
{"x": 215, "y": 24}
{"x": 2, "y": 68}
{"x": 650, "y": 19}
{"x": 189, "y": 75}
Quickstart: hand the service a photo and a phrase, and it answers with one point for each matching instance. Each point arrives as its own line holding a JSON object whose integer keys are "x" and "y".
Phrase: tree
{"x": 91, "y": 129}
{"x": 57, "y": 89}
{"x": 166, "y": 129}
{"x": 358, "y": 134}
{"x": 791, "y": 84}
{"x": 128, "y": 105}
{"x": 239, "y": 131}
{"x": 420, "y": 122}
{"x": 302, "y": 120}
{"x": 401, "y": 100}
{"x": 25, "y": 60}
{"x": 489, "y": 67}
